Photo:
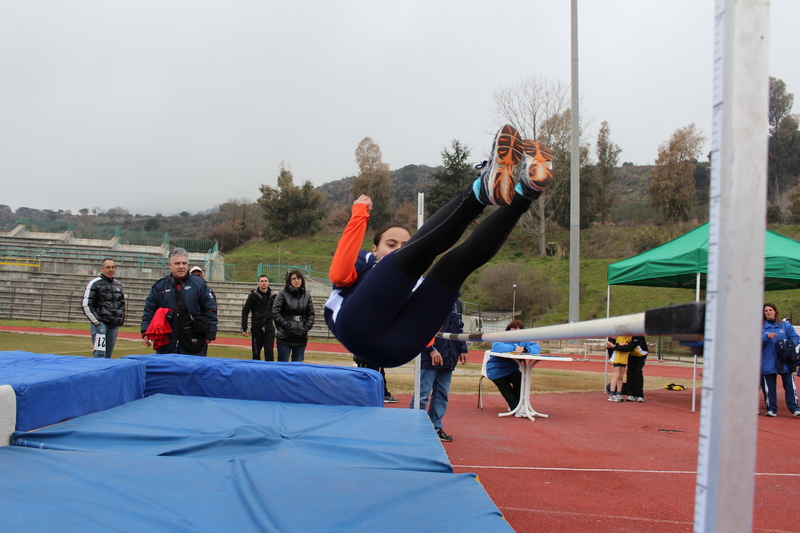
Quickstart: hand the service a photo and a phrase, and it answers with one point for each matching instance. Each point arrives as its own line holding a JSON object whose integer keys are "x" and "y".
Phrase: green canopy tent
{"x": 683, "y": 263}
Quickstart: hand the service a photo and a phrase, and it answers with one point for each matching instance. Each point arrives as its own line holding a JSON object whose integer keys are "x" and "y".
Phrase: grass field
{"x": 400, "y": 380}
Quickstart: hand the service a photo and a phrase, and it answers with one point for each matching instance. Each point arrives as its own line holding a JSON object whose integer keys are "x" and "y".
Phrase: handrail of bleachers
{"x": 20, "y": 261}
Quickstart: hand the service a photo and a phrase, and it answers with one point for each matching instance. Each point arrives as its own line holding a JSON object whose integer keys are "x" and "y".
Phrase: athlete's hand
{"x": 436, "y": 358}
{"x": 462, "y": 358}
{"x": 146, "y": 341}
{"x": 244, "y": 334}
{"x": 364, "y": 199}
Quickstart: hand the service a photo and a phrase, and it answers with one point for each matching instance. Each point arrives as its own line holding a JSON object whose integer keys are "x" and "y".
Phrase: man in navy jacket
{"x": 437, "y": 364}
{"x": 197, "y": 295}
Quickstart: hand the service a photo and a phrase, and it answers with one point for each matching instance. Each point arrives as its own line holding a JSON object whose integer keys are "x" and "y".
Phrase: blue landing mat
{"x": 188, "y": 375}
{"x": 367, "y": 437}
{"x": 90, "y": 491}
{"x": 52, "y": 388}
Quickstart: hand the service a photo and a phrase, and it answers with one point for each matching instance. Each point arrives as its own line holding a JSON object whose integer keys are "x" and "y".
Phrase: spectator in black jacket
{"x": 104, "y": 306}
{"x": 293, "y": 314}
{"x": 259, "y": 303}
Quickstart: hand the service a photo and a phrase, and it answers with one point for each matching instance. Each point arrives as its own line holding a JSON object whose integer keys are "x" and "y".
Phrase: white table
{"x": 526, "y": 363}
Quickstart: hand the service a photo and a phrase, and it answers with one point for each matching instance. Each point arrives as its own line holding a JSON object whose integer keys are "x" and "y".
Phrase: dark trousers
{"x": 769, "y": 386}
{"x": 509, "y": 387}
{"x": 263, "y": 337}
{"x": 636, "y": 375}
{"x": 363, "y": 364}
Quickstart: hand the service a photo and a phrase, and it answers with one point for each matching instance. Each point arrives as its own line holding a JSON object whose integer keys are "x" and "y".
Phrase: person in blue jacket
{"x": 505, "y": 372}
{"x": 771, "y": 365}
{"x": 436, "y": 370}
{"x": 198, "y": 298}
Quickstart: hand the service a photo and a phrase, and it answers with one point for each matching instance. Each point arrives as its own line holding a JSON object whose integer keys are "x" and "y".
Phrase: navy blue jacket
{"x": 199, "y": 300}
{"x": 450, "y": 350}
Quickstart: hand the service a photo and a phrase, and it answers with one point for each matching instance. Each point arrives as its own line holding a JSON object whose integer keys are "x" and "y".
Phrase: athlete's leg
{"x": 484, "y": 242}
{"x": 439, "y": 233}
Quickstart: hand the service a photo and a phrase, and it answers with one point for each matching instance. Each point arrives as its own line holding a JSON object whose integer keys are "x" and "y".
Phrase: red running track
{"x": 598, "y": 466}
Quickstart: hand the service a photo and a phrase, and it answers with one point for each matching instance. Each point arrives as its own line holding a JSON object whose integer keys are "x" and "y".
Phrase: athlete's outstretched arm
{"x": 343, "y": 267}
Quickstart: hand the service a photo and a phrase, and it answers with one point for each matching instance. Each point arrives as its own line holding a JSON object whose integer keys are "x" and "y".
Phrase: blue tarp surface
{"x": 188, "y": 375}
{"x": 100, "y": 491}
{"x": 52, "y": 388}
{"x": 280, "y": 433}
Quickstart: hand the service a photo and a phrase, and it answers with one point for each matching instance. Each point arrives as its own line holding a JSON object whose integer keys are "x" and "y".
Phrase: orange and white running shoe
{"x": 499, "y": 175}
{"x": 536, "y": 174}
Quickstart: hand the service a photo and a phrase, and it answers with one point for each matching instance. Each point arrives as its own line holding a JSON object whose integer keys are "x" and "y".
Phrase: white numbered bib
{"x": 100, "y": 342}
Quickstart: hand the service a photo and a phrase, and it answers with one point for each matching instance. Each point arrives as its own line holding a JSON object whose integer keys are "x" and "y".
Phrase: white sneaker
{"x": 640, "y": 399}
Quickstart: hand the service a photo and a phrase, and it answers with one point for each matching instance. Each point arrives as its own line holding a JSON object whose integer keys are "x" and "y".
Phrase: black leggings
{"x": 446, "y": 227}
{"x": 509, "y": 387}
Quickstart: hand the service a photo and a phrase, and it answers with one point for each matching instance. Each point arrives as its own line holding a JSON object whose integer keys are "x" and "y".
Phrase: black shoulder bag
{"x": 193, "y": 329}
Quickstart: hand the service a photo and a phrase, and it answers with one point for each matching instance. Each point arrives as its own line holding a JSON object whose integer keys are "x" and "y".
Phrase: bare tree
{"x": 672, "y": 186}
{"x": 527, "y": 104}
{"x": 374, "y": 181}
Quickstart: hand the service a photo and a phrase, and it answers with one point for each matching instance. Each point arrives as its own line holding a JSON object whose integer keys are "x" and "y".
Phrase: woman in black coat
{"x": 293, "y": 313}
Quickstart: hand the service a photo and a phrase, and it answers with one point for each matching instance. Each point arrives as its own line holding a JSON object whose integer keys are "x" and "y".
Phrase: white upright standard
{"x": 735, "y": 288}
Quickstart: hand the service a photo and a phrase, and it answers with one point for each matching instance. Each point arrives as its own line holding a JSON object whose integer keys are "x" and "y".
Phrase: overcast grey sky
{"x": 173, "y": 105}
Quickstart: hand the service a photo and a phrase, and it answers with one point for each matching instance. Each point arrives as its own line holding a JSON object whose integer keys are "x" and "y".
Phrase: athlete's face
{"x": 296, "y": 281}
{"x": 263, "y": 283}
{"x": 392, "y": 239}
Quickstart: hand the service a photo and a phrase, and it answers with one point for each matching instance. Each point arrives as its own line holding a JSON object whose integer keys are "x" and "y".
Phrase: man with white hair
{"x": 185, "y": 304}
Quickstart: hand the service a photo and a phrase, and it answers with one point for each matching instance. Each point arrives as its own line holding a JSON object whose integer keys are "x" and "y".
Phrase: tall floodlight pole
{"x": 726, "y": 455}
{"x": 418, "y": 358}
{"x": 575, "y": 183}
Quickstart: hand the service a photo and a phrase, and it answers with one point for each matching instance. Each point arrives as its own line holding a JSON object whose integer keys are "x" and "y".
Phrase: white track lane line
{"x": 621, "y": 470}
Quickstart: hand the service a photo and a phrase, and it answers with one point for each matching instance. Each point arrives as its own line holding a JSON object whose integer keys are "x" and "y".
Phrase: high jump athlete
{"x": 379, "y": 309}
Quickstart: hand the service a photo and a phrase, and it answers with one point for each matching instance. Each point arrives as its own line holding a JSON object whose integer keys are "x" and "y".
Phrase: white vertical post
{"x": 697, "y": 289}
{"x": 418, "y": 358}
{"x": 735, "y": 284}
{"x": 575, "y": 181}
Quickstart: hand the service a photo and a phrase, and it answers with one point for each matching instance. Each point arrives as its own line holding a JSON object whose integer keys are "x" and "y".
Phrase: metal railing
{"x": 93, "y": 256}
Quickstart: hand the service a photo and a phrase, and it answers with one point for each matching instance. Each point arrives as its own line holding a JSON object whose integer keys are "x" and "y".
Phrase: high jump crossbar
{"x": 685, "y": 322}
